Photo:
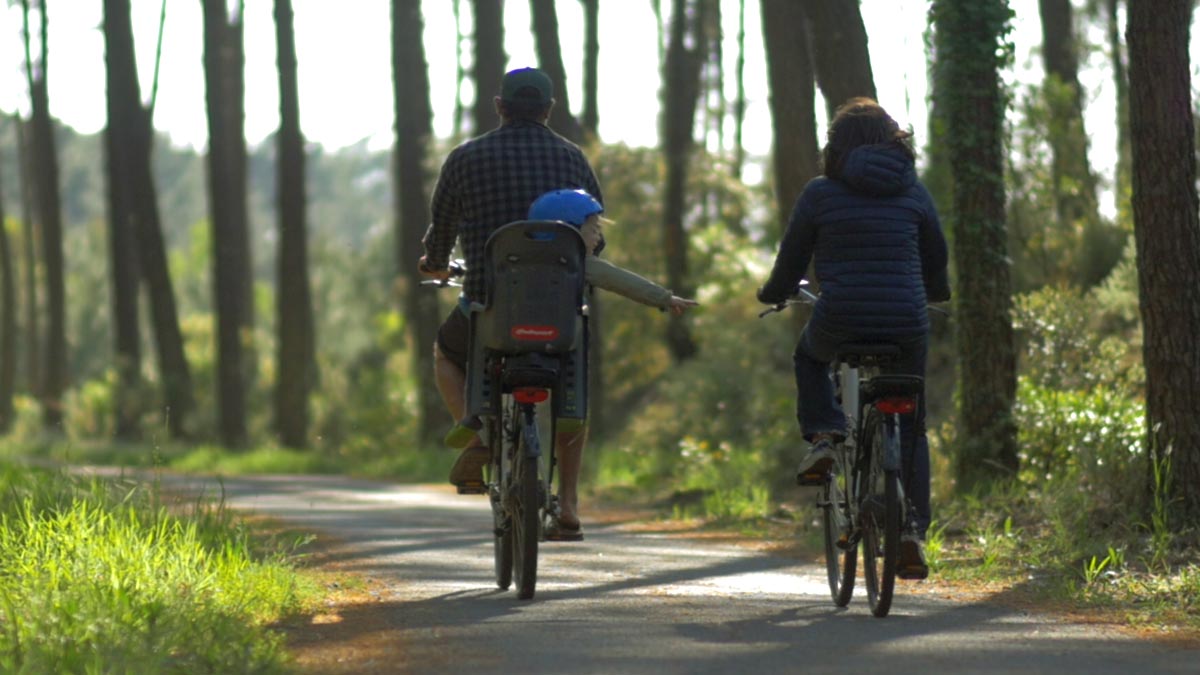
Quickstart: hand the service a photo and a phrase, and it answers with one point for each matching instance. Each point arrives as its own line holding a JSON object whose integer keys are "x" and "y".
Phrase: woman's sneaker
{"x": 815, "y": 467}
{"x": 912, "y": 564}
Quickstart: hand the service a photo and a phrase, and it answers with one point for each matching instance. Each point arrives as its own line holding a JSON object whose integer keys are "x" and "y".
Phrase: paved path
{"x": 638, "y": 602}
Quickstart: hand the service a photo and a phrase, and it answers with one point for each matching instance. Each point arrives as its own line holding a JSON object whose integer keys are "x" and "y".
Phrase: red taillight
{"x": 530, "y": 395}
{"x": 896, "y": 406}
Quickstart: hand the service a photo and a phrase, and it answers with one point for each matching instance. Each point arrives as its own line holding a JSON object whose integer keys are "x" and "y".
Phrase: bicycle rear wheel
{"x": 524, "y": 510}
{"x": 841, "y": 551}
{"x": 881, "y": 514}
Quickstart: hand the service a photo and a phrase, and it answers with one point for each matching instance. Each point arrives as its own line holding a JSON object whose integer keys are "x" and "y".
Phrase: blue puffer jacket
{"x": 878, "y": 248}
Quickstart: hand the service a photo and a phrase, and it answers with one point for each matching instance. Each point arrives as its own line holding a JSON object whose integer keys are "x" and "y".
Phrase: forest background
{"x": 1038, "y": 385}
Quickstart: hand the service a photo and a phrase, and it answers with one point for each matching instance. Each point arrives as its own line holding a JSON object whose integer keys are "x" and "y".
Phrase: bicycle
{"x": 528, "y": 345}
{"x": 862, "y": 496}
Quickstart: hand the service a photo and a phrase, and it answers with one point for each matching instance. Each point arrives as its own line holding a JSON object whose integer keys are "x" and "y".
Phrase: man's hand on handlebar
{"x": 428, "y": 273}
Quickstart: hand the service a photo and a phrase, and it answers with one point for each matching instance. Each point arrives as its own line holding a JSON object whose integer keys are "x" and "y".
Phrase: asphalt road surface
{"x": 626, "y": 601}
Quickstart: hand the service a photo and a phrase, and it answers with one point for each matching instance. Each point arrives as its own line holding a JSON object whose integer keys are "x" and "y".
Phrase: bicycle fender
{"x": 891, "y": 453}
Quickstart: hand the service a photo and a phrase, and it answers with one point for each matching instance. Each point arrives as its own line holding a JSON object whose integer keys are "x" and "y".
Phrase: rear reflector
{"x": 896, "y": 406}
{"x": 530, "y": 395}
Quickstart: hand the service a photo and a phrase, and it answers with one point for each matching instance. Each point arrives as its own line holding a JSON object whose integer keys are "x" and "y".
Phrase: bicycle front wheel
{"x": 881, "y": 512}
{"x": 841, "y": 550}
{"x": 524, "y": 511}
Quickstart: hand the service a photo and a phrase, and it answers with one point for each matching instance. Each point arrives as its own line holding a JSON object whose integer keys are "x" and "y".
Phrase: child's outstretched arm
{"x": 678, "y": 305}
{"x": 621, "y": 281}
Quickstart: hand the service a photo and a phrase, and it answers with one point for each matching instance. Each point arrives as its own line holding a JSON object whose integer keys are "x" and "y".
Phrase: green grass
{"x": 414, "y": 466}
{"x": 101, "y": 576}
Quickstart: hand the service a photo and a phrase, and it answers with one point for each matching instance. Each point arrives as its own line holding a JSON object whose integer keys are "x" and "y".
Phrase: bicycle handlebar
{"x": 804, "y": 296}
{"x": 457, "y": 269}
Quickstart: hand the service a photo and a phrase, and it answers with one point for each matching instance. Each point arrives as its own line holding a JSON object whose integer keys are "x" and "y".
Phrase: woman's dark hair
{"x": 861, "y": 121}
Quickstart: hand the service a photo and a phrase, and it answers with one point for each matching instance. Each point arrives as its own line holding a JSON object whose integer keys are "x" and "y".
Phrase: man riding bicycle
{"x": 872, "y": 231}
{"x": 485, "y": 183}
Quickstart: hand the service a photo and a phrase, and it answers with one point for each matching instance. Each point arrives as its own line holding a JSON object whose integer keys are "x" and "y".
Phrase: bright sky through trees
{"x": 345, "y": 61}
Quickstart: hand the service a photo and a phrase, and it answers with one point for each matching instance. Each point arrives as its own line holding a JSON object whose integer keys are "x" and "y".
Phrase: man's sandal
{"x": 467, "y": 472}
{"x": 556, "y": 530}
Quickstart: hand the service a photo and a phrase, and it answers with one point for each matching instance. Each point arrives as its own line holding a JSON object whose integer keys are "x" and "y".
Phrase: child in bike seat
{"x": 578, "y": 208}
{"x": 872, "y": 233}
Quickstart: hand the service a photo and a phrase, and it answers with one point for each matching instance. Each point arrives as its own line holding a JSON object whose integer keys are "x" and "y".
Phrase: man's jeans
{"x": 818, "y": 412}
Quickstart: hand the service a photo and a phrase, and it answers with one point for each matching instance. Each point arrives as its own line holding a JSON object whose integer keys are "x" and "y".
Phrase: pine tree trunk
{"x": 173, "y": 366}
{"x": 414, "y": 131}
{"x": 124, "y": 106}
{"x": 30, "y": 233}
{"x": 839, "y": 46}
{"x": 967, "y": 38}
{"x": 1073, "y": 184}
{"x": 678, "y": 119}
{"x": 164, "y": 317}
{"x": 1167, "y": 231}
{"x": 739, "y": 102}
{"x": 545, "y": 33}
{"x": 296, "y": 355}
{"x": 490, "y": 61}
{"x": 1121, "y": 87}
{"x": 230, "y": 257}
{"x": 49, "y": 210}
{"x": 8, "y": 322}
{"x": 591, "y": 60}
{"x": 796, "y": 152}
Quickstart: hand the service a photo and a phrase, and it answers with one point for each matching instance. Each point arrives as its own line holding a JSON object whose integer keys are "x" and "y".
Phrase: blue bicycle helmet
{"x": 570, "y": 206}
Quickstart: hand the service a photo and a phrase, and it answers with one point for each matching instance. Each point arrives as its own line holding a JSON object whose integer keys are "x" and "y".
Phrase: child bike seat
{"x": 534, "y": 271}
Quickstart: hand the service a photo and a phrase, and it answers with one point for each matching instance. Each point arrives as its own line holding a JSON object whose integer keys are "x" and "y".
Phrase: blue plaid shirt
{"x": 490, "y": 181}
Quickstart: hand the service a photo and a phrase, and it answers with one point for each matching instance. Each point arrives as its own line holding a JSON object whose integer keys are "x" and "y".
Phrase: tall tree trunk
{"x": 460, "y": 73}
{"x": 226, "y": 170}
{"x": 239, "y": 166}
{"x": 1073, "y": 184}
{"x": 49, "y": 209}
{"x": 1121, "y": 86}
{"x": 8, "y": 322}
{"x": 591, "y": 61}
{"x": 969, "y": 55}
{"x": 30, "y": 234}
{"x": 168, "y": 337}
{"x": 124, "y": 110}
{"x": 549, "y": 53}
{"x": 840, "y": 55}
{"x": 796, "y": 152}
{"x": 414, "y": 131}
{"x": 739, "y": 102}
{"x": 296, "y": 362}
{"x": 1167, "y": 232}
{"x": 682, "y": 90}
{"x": 490, "y": 60}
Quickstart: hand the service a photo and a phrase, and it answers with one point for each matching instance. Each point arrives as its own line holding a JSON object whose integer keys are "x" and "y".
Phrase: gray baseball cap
{"x": 526, "y": 78}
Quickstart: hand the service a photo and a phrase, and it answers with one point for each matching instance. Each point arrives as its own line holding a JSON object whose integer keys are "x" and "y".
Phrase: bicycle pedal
{"x": 472, "y": 488}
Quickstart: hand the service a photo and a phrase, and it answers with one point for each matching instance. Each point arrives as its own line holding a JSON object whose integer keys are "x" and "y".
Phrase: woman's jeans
{"x": 819, "y": 412}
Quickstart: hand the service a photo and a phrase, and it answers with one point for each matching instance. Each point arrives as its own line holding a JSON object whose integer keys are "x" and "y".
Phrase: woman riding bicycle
{"x": 872, "y": 232}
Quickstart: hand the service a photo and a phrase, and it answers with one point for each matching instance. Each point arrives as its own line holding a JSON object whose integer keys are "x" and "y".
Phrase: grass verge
{"x": 103, "y": 576}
